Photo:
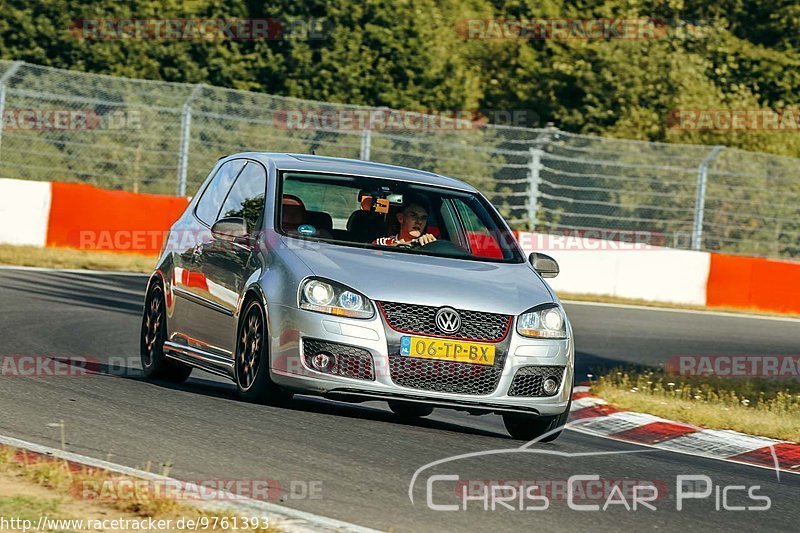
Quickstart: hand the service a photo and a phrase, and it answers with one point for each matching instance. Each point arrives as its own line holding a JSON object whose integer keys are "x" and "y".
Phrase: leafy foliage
{"x": 409, "y": 54}
{"x": 414, "y": 55}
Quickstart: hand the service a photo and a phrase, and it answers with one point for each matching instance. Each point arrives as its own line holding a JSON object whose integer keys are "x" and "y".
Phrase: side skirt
{"x": 200, "y": 359}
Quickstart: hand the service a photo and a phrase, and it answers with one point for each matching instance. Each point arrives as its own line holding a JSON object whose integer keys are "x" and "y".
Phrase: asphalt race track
{"x": 362, "y": 455}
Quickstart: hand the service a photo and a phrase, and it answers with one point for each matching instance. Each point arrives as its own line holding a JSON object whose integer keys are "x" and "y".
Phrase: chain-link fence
{"x": 160, "y": 137}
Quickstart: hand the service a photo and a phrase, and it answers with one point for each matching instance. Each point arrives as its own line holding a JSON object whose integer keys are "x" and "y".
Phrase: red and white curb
{"x": 280, "y": 517}
{"x": 593, "y": 416}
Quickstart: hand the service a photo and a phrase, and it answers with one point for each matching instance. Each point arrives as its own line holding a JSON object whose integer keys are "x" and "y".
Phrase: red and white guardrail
{"x": 64, "y": 214}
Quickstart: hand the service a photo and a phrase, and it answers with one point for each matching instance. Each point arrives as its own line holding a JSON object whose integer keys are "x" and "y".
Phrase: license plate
{"x": 447, "y": 350}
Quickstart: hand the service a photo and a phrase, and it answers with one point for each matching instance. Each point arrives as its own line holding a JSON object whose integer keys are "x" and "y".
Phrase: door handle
{"x": 197, "y": 251}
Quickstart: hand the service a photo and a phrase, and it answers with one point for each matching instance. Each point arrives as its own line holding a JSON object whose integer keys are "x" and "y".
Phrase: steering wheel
{"x": 446, "y": 248}
{"x": 410, "y": 245}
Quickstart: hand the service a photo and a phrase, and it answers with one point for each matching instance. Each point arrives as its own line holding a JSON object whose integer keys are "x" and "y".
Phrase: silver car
{"x": 359, "y": 281}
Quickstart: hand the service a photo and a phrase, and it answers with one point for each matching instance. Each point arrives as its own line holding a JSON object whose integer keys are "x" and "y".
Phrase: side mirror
{"x": 231, "y": 228}
{"x": 545, "y": 265}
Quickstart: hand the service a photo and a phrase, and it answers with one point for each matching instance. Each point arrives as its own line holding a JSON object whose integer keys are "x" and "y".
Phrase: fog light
{"x": 550, "y": 386}
{"x": 323, "y": 362}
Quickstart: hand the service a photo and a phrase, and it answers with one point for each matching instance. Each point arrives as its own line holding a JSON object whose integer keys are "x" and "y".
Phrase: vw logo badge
{"x": 448, "y": 320}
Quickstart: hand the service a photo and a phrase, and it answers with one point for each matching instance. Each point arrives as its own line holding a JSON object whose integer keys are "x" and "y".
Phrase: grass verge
{"x": 32, "y": 486}
{"x": 75, "y": 259}
{"x": 770, "y": 408}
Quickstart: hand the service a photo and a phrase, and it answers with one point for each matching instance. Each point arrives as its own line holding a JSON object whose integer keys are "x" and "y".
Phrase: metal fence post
{"x": 366, "y": 144}
{"x": 5, "y": 77}
{"x": 186, "y": 129}
{"x": 366, "y": 136}
{"x": 534, "y": 167}
{"x": 700, "y": 197}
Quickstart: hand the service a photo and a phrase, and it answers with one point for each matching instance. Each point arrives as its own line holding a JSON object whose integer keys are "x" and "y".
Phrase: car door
{"x": 196, "y": 312}
{"x": 229, "y": 263}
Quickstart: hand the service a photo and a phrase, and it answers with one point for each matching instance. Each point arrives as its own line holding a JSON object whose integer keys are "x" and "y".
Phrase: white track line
{"x": 689, "y": 311}
{"x": 73, "y": 270}
{"x": 284, "y": 518}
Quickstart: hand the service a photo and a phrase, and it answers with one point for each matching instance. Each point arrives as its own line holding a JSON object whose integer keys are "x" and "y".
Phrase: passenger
{"x": 413, "y": 219}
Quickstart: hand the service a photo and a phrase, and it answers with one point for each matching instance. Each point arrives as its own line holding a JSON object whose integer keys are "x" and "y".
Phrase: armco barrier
{"x": 80, "y": 216}
{"x": 626, "y": 270}
{"x": 85, "y": 217}
{"x": 752, "y": 282}
{"x": 24, "y": 209}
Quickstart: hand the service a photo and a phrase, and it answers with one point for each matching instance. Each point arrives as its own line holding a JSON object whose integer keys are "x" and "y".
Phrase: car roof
{"x": 316, "y": 163}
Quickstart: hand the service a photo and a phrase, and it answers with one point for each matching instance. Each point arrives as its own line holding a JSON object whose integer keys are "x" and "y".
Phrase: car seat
{"x": 320, "y": 220}
{"x": 293, "y": 213}
{"x": 365, "y": 226}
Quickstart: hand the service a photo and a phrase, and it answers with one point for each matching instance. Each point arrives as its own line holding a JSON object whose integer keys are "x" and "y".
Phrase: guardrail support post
{"x": 5, "y": 77}
{"x": 534, "y": 168}
{"x": 366, "y": 136}
{"x": 366, "y": 143}
{"x": 186, "y": 129}
{"x": 700, "y": 197}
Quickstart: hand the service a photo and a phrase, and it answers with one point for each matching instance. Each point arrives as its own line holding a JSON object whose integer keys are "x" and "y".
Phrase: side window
{"x": 246, "y": 198}
{"x": 472, "y": 223}
{"x": 481, "y": 242}
{"x": 211, "y": 201}
{"x": 336, "y": 201}
{"x": 451, "y": 226}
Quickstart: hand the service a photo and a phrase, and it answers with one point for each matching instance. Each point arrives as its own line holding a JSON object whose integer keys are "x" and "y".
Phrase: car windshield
{"x": 389, "y": 214}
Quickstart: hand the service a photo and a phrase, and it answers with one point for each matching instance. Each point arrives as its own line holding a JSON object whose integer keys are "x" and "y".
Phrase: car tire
{"x": 410, "y": 410}
{"x": 251, "y": 366}
{"x": 528, "y": 427}
{"x": 156, "y": 365}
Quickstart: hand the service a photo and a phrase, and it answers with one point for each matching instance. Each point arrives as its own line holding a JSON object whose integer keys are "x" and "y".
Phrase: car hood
{"x": 423, "y": 279}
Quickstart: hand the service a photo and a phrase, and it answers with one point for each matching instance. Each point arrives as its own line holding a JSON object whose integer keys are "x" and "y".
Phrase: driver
{"x": 413, "y": 219}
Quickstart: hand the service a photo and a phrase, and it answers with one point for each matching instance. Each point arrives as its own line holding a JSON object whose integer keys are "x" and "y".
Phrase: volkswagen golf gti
{"x": 359, "y": 281}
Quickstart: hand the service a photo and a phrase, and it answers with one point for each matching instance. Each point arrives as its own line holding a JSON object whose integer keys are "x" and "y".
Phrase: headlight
{"x": 329, "y": 297}
{"x": 318, "y": 292}
{"x": 544, "y": 322}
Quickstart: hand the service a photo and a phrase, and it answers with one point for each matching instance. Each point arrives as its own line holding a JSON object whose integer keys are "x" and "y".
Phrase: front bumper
{"x": 289, "y": 326}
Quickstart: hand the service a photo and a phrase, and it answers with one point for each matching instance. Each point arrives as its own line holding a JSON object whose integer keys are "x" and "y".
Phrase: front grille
{"x": 529, "y": 380}
{"x": 351, "y": 361}
{"x": 421, "y": 319}
{"x": 445, "y": 376}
